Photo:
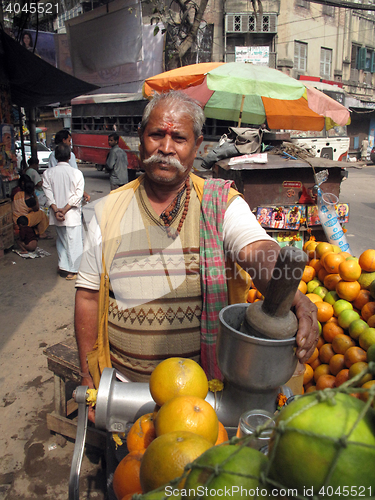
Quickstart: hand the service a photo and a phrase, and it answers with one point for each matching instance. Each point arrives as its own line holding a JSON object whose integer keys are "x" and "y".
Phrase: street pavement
{"x": 36, "y": 311}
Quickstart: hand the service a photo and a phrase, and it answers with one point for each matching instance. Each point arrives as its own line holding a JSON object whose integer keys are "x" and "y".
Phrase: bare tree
{"x": 182, "y": 22}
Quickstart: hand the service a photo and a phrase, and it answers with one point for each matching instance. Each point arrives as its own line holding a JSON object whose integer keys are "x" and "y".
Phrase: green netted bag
{"x": 322, "y": 447}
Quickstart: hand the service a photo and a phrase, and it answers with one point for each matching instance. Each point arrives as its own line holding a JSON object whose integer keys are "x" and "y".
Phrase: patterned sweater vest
{"x": 155, "y": 299}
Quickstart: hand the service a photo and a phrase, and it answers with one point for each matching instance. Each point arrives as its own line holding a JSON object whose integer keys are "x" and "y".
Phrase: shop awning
{"x": 33, "y": 81}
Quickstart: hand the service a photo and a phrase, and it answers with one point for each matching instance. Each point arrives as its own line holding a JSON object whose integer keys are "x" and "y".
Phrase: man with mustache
{"x": 162, "y": 255}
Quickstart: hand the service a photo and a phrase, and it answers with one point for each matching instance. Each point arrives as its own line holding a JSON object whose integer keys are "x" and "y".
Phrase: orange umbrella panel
{"x": 291, "y": 115}
{"x": 178, "y": 79}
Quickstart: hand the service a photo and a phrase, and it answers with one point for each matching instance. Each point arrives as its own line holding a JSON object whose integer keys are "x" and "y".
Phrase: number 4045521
{"x": 32, "y": 8}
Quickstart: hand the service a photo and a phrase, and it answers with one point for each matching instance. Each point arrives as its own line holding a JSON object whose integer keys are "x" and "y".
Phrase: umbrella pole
{"x": 241, "y": 109}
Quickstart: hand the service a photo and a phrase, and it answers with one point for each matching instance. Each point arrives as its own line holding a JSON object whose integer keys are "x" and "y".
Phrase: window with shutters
{"x": 325, "y": 62}
{"x": 300, "y": 56}
{"x": 369, "y": 59}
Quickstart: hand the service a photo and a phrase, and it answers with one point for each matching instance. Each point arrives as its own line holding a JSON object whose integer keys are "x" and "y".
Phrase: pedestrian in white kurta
{"x": 63, "y": 187}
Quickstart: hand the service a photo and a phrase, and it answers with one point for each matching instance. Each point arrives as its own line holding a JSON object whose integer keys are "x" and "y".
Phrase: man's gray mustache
{"x": 164, "y": 159}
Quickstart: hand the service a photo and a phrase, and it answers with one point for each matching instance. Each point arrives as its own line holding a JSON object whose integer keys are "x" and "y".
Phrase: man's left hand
{"x": 308, "y": 328}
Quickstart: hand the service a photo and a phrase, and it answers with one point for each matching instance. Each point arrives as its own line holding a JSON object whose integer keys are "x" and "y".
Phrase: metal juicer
{"x": 255, "y": 353}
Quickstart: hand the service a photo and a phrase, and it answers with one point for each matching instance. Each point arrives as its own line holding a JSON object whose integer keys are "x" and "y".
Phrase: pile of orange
{"x": 340, "y": 286}
{"x": 182, "y": 427}
{"x": 346, "y": 312}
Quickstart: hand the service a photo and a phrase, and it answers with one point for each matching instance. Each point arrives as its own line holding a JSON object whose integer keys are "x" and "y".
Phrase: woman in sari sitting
{"x": 25, "y": 202}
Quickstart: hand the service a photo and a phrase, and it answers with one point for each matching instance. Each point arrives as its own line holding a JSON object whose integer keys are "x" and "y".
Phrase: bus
{"x": 94, "y": 117}
{"x": 332, "y": 144}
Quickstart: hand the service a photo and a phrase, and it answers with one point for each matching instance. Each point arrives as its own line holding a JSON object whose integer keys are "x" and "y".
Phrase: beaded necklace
{"x": 170, "y": 212}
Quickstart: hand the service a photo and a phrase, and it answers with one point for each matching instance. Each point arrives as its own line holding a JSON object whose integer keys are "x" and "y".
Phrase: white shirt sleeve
{"x": 52, "y": 162}
{"x": 47, "y": 188}
{"x": 91, "y": 262}
{"x": 240, "y": 227}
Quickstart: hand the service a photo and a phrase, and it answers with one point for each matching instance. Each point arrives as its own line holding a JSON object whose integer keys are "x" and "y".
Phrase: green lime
{"x": 356, "y": 327}
{"x": 331, "y": 297}
{"x": 366, "y": 279}
{"x": 367, "y": 338}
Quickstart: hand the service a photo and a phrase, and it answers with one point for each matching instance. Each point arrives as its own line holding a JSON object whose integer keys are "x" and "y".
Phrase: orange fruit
{"x": 326, "y": 381}
{"x": 350, "y": 270}
{"x": 341, "y": 343}
{"x": 321, "y": 341}
{"x": 353, "y": 355}
{"x": 348, "y": 290}
{"x": 336, "y": 363}
{"x": 324, "y": 256}
{"x": 332, "y": 262}
{"x": 325, "y": 311}
{"x": 368, "y": 310}
{"x": 331, "y": 280}
{"x": 167, "y": 456}
{"x": 347, "y": 256}
{"x": 310, "y": 249}
{"x": 223, "y": 435}
{"x": 308, "y": 375}
{"x": 364, "y": 395}
{"x": 177, "y": 377}
{"x": 309, "y": 384}
{"x": 325, "y": 353}
{"x": 315, "y": 364}
{"x": 322, "y": 369}
{"x": 315, "y": 263}
{"x": 128, "y": 496}
{"x": 322, "y": 273}
{"x": 308, "y": 274}
{"x": 371, "y": 321}
{"x": 358, "y": 368}
{"x": 330, "y": 330}
{"x": 126, "y": 477}
{"x": 155, "y": 412}
{"x": 312, "y": 388}
{"x": 302, "y": 287}
{"x": 367, "y": 260}
{"x": 251, "y": 296}
{"x": 342, "y": 376}
{"x": 141, "y": 434}
{"x": 188, "y": 413}
{"x": 314, "y": 298}
{"x": 259, "y": 295}
{"x": 313, "y": 356}
{"x": 362, "y": 298}
{"x": 321, "y": 248}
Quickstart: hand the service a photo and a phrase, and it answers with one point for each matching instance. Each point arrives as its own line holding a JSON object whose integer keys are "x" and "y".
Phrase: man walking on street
{"x": 117, "y": 163}
{"x": 63, "y": 187}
